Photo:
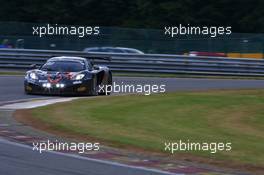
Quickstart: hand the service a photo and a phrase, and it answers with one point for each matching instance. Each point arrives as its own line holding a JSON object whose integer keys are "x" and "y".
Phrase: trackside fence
{"x": 22, "y": 59}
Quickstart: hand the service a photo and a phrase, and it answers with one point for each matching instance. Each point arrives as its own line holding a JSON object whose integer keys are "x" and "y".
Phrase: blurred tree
{"x": 242, "y": 15}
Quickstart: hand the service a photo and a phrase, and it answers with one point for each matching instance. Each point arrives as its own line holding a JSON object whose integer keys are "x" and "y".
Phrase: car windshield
{"x": 63, "y": 66}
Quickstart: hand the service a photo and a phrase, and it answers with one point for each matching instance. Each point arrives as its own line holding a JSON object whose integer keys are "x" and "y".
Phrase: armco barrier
{"x": 21, "y": 59}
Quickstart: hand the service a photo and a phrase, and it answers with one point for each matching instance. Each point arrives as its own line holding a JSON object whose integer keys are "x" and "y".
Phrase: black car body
{"x": 67, "y": 76}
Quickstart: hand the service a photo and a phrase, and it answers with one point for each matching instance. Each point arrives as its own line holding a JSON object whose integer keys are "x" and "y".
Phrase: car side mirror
{"x": 96, "y": 67}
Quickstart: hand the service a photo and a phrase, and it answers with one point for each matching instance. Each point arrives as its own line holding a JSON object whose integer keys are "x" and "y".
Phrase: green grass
{"x": 148, "y": 121}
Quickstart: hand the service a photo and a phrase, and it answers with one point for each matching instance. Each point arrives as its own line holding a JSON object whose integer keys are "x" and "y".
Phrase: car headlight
{"x": 78, "y": 77}
{"x": 33, "y": 76}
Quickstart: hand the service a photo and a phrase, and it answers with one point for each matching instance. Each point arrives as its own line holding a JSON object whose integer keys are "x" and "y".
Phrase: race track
{"x": 17, "y": 159}
{"x": 11, "y": 87}
{"x": 21, "y": 160}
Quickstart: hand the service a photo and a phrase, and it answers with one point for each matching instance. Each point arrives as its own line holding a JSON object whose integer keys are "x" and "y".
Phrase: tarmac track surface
{"x": 18, "y": 159}
{"x": 11, "y": 87}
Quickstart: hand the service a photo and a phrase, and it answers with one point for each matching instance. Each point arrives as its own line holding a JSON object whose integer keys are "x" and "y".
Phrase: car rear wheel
{"x": 108, "y": 87}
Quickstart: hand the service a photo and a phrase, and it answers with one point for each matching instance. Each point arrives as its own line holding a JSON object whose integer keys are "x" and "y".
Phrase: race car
{"x": 67, "y": 75}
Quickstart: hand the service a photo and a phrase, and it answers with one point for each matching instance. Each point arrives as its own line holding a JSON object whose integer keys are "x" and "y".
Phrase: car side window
{"x": 89, "y": 65}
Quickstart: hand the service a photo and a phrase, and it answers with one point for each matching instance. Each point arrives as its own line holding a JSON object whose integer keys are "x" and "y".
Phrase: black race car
{"x": 68, "y": 76}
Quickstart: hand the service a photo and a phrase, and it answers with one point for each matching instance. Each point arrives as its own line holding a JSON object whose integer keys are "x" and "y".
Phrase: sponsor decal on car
{"x": 43, "y": 81}
{"x": 77, "y": 82}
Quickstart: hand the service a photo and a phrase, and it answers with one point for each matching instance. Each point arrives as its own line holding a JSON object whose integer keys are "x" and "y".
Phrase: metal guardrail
{"x": 21, "y": 59}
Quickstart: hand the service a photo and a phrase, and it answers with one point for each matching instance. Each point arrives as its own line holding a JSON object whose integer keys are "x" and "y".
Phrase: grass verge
{"x": 148, "y": 121}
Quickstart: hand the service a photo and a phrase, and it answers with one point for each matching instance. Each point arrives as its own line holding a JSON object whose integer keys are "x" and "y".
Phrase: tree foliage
{"x": 242, "y": 15}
